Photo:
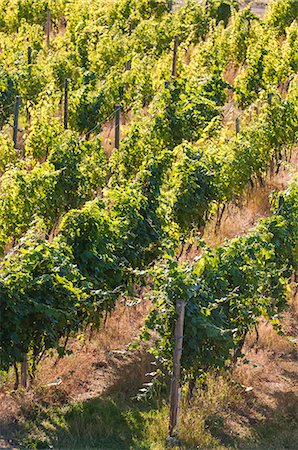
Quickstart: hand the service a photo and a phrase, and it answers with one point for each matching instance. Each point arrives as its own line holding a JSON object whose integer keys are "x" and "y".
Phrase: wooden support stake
{"x": 17, "y": 378}
{"x": 237, "y": 125}
{"x": 174, "y": 66}
{"x": 175, "y": 382}
{"x": 29, "y": 58}
{"x": 17, "y": 105}
{"x": 65, "y": 104}
{"x": 48, "y": 27}
{"x": 269, "y": 98}
{"x": 171, "y": 5}
{"x": 117, "y": 126}
{"x": 29, "y": 63}
{"x": 130, "y": 28}
{"x": 128, "y": 65}
{"x": 24, "y": 372}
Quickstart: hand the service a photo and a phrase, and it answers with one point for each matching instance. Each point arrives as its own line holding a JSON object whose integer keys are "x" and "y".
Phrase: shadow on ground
{"x": 270, "y": 428}
{"x": 113, "y": 421}
{"x": 117, "y": 421}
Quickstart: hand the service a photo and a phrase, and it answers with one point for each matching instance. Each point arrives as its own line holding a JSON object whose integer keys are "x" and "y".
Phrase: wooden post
{"x": 29, "y": 63}
{"x": 175, "y": 382}
{"x": 174, "y": 66}
{"x": 269, "y": 98}
{"x": 117, "y": 126}
{"x": 171, "y": 5}
{"x": 237, "y": 125}
{"x": 17, "y": 378}
{"x": 17, "y": 105}
{"x": 65, "y": 104}
{"x": 130, "y": 28}
{"x": 128, "y": 65}
{"x": 48, "y": 27}
{"x": 24, "y": 372}
{"x": 29, "y": 58}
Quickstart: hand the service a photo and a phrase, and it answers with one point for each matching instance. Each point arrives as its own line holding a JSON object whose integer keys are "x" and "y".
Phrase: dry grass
{"x": 274, "y": 343}
{"x": 271, "y": 379}
{"x": 97, "y": 359}
{"x": 94, "y": 365}
{"x": 108, "y": 132}
{"x": 241, "y": 218}
{"x": 269, "y": 340}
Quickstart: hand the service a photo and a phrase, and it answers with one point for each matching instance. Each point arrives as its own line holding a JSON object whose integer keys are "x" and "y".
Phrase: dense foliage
{"x": 226, "y": 291}
{"x": 78, "y": 230}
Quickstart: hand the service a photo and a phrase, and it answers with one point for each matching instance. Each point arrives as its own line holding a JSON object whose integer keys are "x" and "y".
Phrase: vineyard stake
{"x": 174, "y": 66}
{"x": 171, "y": 5}
{"x": 117, "y": 126}
{"x": 17, "y": 105}
{"x": 65, "y": 104}
{"x": 29, "y": 59}
{"x": 130, "y": 28}
{"x": 128, "y": 63}
{"x": 24, "y": 371}
{"x": 269, "y": 98}
{"x": 17, "y": 378}
{"x": 175, "y": 393}
{"x": 48, "y": 27}
{"x": 29, "y": 62}
{"x": 237, "y": 125}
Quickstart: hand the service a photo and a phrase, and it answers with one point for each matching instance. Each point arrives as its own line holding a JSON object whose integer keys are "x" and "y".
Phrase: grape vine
{"x": 79, "y": 230}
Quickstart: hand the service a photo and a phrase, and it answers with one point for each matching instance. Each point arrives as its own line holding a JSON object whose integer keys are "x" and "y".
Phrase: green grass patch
{"x": 116, "y": 422}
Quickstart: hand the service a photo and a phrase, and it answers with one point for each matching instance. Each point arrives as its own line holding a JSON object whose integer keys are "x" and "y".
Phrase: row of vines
{"x": 79, "y": 230}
